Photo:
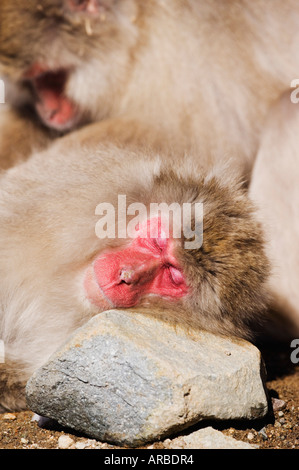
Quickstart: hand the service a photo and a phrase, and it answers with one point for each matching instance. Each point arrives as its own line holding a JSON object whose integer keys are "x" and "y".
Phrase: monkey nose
{"x": 139, "y": 274}
{"x": 127, "y": 275}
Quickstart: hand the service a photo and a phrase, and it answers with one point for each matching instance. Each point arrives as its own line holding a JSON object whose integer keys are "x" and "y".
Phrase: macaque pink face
{"x": 147, "y": 266}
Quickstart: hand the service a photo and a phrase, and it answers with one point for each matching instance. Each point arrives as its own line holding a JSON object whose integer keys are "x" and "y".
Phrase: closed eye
{"x": 175, "y": 275}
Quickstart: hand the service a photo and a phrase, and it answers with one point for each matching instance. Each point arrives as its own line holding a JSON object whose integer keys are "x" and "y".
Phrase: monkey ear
{"x": 87, "y": 6}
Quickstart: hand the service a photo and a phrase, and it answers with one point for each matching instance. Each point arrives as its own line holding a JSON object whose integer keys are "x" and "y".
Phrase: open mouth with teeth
{"x": 51, "y": 103}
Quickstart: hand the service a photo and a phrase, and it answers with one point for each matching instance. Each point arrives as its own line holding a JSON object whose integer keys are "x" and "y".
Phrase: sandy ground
{"x": 280, "y": 430}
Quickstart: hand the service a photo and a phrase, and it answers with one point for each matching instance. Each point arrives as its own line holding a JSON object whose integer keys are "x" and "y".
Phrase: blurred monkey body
{"x": 191, "y": 74}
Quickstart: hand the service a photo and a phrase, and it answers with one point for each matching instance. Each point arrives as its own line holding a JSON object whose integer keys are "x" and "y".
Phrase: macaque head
{"x": 200, "y": 256}
{"x": 69, "y": 59}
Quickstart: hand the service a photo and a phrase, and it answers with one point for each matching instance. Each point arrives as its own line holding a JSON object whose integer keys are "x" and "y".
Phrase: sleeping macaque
{"x": 197, "y": 76}
{"x": 66, "y": 256}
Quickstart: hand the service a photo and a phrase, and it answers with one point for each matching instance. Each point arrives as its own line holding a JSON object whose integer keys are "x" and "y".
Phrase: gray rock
{"x": 278, "y": 404}
{"x": 206, "y": 438}
{"x": 129, "y": 378}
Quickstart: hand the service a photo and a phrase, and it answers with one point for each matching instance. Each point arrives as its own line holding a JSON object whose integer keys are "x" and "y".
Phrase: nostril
{"x": 126, "y": 276}
{"x": 140, "y": 272}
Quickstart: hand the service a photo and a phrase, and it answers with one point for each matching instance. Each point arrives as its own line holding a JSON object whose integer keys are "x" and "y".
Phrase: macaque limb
{"x": 275, "y": 190}
{"x": 57, "y": 270}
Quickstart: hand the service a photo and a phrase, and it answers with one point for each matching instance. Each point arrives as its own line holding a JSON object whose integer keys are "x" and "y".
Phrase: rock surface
{"x": 206, "y": 438}
{"x": 128, "y": 378}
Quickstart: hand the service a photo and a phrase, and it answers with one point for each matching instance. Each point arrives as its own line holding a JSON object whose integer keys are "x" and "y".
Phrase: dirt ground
{"x": 280, "y": 430}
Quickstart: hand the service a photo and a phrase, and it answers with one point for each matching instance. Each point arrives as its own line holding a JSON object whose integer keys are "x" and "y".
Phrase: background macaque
{"x": 196, "y": 78}
{"x": 197, "y": 74}
{"x": 56, "y": 273}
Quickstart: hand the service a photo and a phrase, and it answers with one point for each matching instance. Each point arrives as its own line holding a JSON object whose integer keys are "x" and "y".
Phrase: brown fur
{"x": 19, "y": 136}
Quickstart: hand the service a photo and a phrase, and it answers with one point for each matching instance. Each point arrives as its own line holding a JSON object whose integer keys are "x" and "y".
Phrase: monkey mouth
{"x": 51, "y": 102}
